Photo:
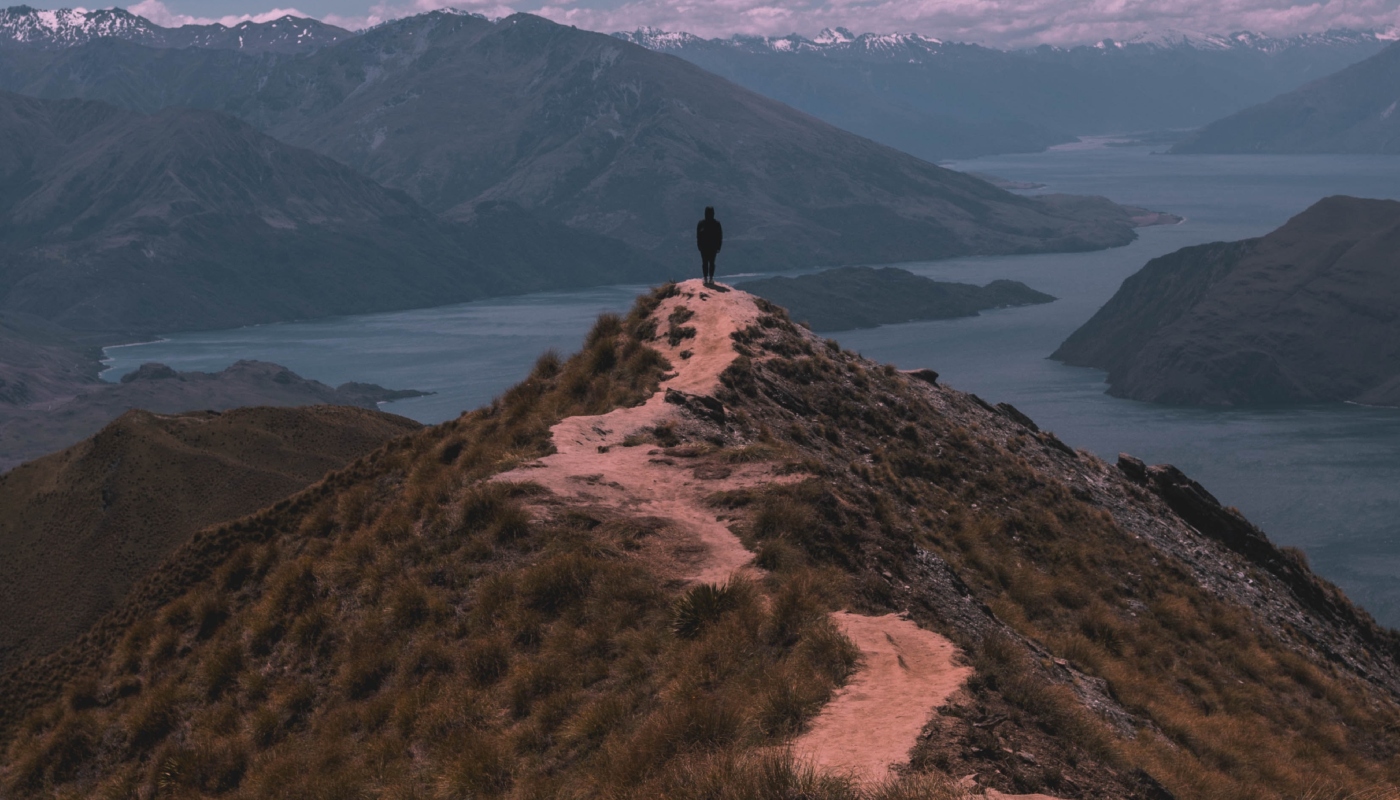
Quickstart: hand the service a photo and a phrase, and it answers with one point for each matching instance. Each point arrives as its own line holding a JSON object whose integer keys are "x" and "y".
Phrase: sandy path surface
{"x": 871, "y": 723}
{"x": 631, "y": 478}
{"x": 906, "y": 671}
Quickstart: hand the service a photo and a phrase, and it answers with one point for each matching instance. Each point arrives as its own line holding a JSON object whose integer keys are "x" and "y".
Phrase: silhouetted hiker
{"x": 709, "y": 237}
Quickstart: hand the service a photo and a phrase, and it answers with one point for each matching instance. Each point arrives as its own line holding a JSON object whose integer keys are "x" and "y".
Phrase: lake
{"x": 1326, "y": 479}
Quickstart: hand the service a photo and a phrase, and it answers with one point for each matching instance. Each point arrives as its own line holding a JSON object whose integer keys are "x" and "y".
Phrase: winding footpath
{"x": 905, "y": 673}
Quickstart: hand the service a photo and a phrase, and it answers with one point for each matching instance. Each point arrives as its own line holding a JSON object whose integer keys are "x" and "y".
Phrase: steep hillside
{"x": 599, "y": 134}
{"x": 863, "y": 297}
{"x": 83, "y": 525}
{"x": 939, "y": 99}
{"x": 55, "y": 411}
{"x": 1352, "y": 111}
{"x": 114, "y": 221}
{"x": 708, "y": 533}
{"x": 33, "y": 28}
{"x": 1305, "y": 314}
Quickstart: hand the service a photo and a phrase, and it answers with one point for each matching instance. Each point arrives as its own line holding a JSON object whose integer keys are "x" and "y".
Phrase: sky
{"x": 997, "y": 23}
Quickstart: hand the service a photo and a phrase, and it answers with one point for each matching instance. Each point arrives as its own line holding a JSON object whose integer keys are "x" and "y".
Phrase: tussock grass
{"x": 1233, "y": 707}
{"x": 420, "y": 610}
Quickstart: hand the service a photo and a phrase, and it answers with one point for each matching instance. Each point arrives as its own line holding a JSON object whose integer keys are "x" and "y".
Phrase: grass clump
{"x": 705, "y": 604}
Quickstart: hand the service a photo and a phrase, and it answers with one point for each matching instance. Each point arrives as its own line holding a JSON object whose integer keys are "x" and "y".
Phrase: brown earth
{"x": 82, "y": 525}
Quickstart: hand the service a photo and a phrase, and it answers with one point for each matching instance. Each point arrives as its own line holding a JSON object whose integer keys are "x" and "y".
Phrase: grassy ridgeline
{"x": 405, "y": 628}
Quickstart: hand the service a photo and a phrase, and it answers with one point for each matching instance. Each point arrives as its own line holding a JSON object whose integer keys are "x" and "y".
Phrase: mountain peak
{"x": 25, "y": 26}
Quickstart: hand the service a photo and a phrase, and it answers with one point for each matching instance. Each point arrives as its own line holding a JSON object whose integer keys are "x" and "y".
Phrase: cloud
{"x": 999, "y": 23}
{"x": 161, "y": 14}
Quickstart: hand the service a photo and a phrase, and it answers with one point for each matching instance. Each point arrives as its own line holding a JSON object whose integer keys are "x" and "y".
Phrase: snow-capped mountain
{"x": 902, "y": 46}
{"x": 829, "y": 41}
{"x": 1249, "y": 40}
{"x": 65, "y": 27}
{"x": 22, "y": 26}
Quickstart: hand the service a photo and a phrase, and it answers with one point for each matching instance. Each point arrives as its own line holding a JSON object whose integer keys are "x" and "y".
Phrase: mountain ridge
{"x": 1351, "y": 111}
{"x": 178, "y": 473}
{"x": 24, "y": 26}
{"x": 512, "y": 598}
{"x": 121, "y": 224}
{"x": 947, "y": 100}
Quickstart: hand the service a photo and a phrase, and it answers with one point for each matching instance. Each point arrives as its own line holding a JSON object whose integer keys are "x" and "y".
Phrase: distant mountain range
{"x": 584, "y": 130}
{"x": 1352, "y": 111}
{"x": 25, "y": 27}
{"x": 939, "y": 99}
{"x": 1306, "y": 314}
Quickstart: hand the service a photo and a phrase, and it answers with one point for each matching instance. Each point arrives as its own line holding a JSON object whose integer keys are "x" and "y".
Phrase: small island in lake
{"x": 847, "y": 298}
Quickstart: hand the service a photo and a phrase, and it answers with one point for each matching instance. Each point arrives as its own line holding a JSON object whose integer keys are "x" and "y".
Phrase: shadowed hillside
{"x": 83, "y": 525}
{"x": 709, "y": 533}
{"x": 1306, "y": 314}
{"x": 1351, "y": 111}
{"x": 115, "y": 221}
{"x": 599, "y": 134}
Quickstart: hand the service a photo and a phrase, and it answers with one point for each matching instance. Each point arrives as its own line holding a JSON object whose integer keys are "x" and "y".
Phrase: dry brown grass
{"x": 1242, "y": 710}
{"x": 417, "y": 632}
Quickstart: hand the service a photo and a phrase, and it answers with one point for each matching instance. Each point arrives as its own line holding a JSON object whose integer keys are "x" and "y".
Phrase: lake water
{"x": 1326, "y": 479}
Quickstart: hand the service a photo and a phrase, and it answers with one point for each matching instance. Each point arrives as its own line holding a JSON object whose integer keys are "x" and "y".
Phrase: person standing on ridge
{"x": 709, "y": 237}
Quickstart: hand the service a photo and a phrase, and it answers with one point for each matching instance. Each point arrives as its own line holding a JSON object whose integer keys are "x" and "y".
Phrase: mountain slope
{"x": 601, "y": 135}
{"x": 120, "y": 222}
{"x": 1305, "y": 314}
{"x": 942, "y": 100}
{"x": 110, "y": 508}
{"x": 25, "y": 27}
{"x": 612, "y": 138}
{"x": 1352, "y": 111}
{"x": 521, "y": 602}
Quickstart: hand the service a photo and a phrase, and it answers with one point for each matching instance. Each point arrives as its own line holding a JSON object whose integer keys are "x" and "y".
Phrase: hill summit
{"x": 714, "y": 556}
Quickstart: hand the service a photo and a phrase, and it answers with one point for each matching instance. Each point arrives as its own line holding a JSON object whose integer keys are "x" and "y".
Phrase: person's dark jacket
{"x": 709, "y": 236}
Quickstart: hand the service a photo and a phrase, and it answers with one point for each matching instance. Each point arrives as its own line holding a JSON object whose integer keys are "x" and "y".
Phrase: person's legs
{"x": 708, "y": 267}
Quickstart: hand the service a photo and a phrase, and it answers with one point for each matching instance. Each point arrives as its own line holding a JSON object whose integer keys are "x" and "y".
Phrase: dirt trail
{"x": 906, "y": 671}
{"x": 872, "y": 722}
{"x": 592, "y": 465}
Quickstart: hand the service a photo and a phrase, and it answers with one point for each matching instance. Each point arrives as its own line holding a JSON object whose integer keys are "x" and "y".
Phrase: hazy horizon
{"x": 1001, "y": 23}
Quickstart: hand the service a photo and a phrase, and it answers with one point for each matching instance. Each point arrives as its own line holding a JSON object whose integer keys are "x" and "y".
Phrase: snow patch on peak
{"x": 658, "y": 39}
{"x": 837, "y": 36}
